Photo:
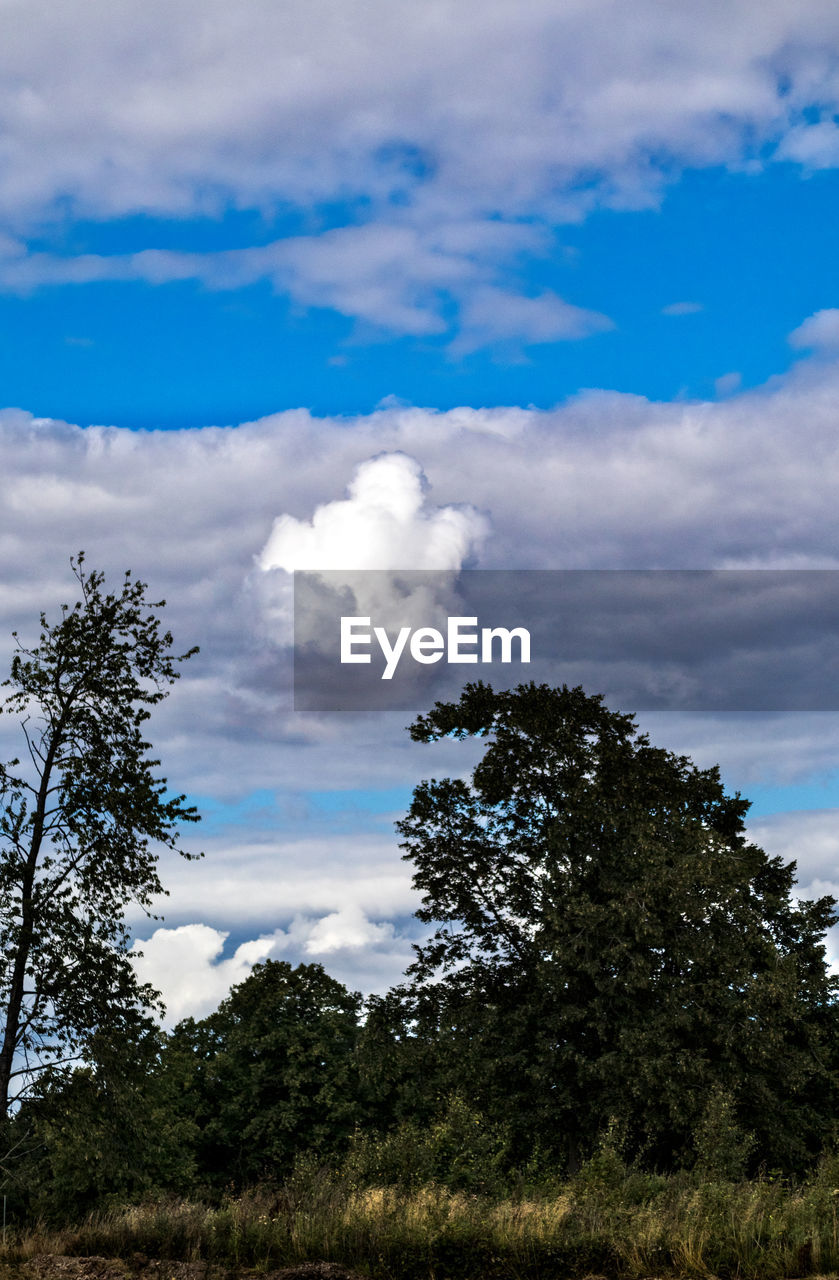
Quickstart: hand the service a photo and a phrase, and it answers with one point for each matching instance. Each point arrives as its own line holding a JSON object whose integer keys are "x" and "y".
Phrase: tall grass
{"x": 635, "y": 1226}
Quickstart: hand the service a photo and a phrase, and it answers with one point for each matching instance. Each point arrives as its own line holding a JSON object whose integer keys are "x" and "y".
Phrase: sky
{"x": 509, "y": 284}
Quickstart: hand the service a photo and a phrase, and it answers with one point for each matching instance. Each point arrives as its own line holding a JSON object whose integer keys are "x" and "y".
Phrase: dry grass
{"x": 636, "y": 1228}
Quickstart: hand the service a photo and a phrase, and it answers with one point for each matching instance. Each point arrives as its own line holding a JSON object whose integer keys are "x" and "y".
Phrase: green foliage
{"x": 826, "y": 1173}
{"x": 619, "y": 983}
{"x": 270, "y": 1074}
{"x": 397, "y": 1065}
{"x": 106, "y": 1133}
{"x": 608, "y": 943}
{"x": 606, "y": 1187}
{"x": 457, "y": 1150}
{"x": 81, "y": 823}
{"x": 604, "y": 1174}
{"x": 722, "y": 1148}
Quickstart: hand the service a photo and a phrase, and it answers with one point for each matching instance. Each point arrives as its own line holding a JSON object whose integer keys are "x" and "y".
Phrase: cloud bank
{"x": 417, "y": 155}
{"x": 181, "y": 107}
{"x": 603, "y": 481}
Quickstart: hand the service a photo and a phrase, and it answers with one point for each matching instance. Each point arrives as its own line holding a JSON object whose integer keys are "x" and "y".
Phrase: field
{"x": 601, "y": 1224}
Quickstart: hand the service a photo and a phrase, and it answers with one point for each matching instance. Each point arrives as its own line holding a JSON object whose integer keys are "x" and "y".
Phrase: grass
{"x": 635, "y": 1226}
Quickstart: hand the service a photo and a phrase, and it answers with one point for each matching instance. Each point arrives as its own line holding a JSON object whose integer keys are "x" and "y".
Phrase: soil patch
{"x": 51, "y": 1266}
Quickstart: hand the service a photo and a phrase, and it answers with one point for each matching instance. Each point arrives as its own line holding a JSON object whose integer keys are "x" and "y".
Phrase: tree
{"x": 609, "y": 947}
{"x": 108, "y": 1131}
{"x": 80, "y": 827}
{"x": 271, "y": 1074}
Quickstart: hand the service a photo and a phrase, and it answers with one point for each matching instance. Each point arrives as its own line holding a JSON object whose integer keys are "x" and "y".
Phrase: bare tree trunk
{"x": 27, "y": 930}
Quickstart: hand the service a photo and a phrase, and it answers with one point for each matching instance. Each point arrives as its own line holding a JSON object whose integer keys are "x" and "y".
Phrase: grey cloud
{"x": 492, "y": 315}
{"x": 818, "y": 332}
{"x": 262, "y": 878}
{"x": 815, "y": 146}
{"x": 186, "y": 964}
{"x": 728, "y": 383}
{"x": 604, "y": 481}
{"x": 811, "y": 839}
{"x": 682, "y": 309}
{"x": 188, "y": 109}
{"x": 724, "y": 640}
{"x": 175, "y": 106}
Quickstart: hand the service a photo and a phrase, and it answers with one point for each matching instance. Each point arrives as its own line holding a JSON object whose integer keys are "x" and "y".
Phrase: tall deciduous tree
{"x": 609, "y": 945}
{"x": 81, "y": 824}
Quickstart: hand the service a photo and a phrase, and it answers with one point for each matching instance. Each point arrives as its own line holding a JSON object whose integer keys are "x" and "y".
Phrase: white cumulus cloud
{"x": 185, "y": 964}
{"x": 385, "y": 522}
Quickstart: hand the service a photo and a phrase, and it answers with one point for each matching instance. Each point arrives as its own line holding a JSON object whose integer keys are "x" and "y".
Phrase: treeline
{"x": 615, "y": 973}
{"x": 285, "y": 1076}
{"x": 285, "y": 1082}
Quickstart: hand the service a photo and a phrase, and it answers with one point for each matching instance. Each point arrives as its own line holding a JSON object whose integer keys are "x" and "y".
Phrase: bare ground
{"x": 51, "y": 1266}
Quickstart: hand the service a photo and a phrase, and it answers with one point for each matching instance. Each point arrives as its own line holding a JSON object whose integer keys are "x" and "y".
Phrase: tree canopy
{"x": 610, "y": 948}
{"x": 272, "y": 1074}
{"x": 82, "y": 821}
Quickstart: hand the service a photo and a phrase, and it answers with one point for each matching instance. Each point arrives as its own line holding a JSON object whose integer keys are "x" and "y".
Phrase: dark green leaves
{"x": 83, "y": 818}
{"x": 609, "y": 945}
{"x": 272, "y": 1073}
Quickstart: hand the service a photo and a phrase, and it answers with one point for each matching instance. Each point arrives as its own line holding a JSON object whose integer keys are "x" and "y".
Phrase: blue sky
{"x": 707, "y": 284}
{"x": 561, "y": 282}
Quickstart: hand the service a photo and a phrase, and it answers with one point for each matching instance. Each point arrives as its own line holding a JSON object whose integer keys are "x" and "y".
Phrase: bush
{"x": 722, "y": 1148}
{"x": 459, "y": 1150}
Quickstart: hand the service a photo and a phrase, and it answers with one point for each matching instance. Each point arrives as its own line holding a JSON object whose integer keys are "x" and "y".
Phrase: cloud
{"x": 346, "y": 930}
{"x": 815, "y": 146}
{"x": 253, "y": 874}
{"x": 605, "y": 480}
{"x": 394, "y": 277}
{"x": 728, "y": 383}
{"x": 602, "y": 481}
{"x": 682, "y": 309}
{"x": 185, "y": 964}
{"x": 389, "y": 275}
{"x": 819, "y": 332}
{"x": 181, "y": 107}
{"x": 811, "y": 839}
{"x": 390, "y": 125}
{"x": 490, "y": 315}
{"x": 384, "y": 523}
